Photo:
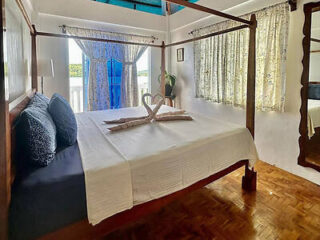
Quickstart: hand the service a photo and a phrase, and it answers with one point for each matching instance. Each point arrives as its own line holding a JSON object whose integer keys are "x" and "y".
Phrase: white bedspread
{"x": 313, "y": 116}
{"x": 140, "y": 164}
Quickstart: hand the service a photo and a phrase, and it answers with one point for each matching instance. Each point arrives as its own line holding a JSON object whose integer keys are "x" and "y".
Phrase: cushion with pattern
{"x": 39, "y": 100}
{"x": 36, "y": 133}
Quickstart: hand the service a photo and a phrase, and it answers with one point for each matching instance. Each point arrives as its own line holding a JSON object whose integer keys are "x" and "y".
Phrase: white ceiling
{"x": 95, "y": 11}
{"x": 100, "y": 12}
{"x": 187, "y": 15}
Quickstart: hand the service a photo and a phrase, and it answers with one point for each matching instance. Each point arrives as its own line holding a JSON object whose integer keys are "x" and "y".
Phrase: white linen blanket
{"x": 140, "y": 164}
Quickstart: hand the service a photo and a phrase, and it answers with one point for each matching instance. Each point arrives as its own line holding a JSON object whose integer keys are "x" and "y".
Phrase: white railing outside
{"x": 143, "y": 87}
{"x": 76, "y": 94}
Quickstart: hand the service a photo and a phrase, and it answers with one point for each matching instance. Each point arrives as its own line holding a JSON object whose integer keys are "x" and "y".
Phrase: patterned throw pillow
{"x": 64, "y": 119}
{"x": 39, "y": 100}
{"x": 37, "y": 135}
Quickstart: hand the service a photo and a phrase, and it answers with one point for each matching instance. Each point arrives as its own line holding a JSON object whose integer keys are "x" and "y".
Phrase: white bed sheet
{"x": 156, "y": 159}
{"x": 313, "y": 116}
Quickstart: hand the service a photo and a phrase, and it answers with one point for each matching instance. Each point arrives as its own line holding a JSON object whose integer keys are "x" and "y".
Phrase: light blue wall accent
{"x": 158, "y": 9}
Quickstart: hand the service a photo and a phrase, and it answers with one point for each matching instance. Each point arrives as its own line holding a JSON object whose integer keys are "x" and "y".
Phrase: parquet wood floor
{"x": 313, "y": 149}
{"x": 284, "y": 207}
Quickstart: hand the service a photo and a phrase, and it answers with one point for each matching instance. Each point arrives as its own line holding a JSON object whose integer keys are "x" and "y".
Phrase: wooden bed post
{"x": 163, "y": 69}
{"x": 251, "y": 81}
{"x": 5, "y": 140}
{"x": 249, "y": 181}
{"x": 34, "y": 62}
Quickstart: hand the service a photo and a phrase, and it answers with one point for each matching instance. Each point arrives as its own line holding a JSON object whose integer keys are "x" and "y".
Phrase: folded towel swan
{"x": 125, "y": 123}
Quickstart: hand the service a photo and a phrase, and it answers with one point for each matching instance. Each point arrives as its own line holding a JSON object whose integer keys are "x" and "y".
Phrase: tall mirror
{"x": 310, "y": 93}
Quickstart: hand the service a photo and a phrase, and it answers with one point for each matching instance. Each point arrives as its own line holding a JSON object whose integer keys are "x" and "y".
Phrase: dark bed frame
{"x": 82, "y": 229}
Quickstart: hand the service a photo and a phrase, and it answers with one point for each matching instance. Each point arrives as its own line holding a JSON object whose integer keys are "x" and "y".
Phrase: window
{"x": 221, "y": 62}
{"x": 115, "y": 79}
{"x": 143, "y": 75}
{"x": 79, "y": 68}
{"x": 75, "y": 76}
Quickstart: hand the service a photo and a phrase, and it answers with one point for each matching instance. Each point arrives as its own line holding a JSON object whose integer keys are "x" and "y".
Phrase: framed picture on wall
{"x": 180, "y": 54}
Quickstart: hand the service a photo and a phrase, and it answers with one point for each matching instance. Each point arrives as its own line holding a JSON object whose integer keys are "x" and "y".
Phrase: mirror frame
{"x": 309, "y": 8}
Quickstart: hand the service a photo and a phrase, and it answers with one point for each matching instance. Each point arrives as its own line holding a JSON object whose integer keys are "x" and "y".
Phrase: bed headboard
{"x": 8, "y": 155}
{"x": 10, "y": 109}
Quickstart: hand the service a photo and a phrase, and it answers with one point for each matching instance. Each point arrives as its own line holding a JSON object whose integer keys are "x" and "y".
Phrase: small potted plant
{"x": 170, "y": 83}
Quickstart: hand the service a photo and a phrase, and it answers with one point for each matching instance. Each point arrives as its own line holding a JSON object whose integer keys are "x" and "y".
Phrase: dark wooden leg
{"x": 249, "y": 180}
{"x": 170, "y": 102}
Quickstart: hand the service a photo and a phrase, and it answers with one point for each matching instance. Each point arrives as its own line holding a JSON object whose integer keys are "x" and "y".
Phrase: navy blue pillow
{"x": 39, "y": 100}
{"x": 314, "y": 91}
{"x": 36, "y": 132}
{"x": 65, "y": 120}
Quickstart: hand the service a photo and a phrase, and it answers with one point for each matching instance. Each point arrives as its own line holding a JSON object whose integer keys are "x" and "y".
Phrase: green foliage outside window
{"x": 143, "y": 73}
{"x": 75, "y": 70}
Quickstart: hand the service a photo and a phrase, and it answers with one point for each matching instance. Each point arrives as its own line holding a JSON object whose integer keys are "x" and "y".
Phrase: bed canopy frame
{"x": 83, "y": 229}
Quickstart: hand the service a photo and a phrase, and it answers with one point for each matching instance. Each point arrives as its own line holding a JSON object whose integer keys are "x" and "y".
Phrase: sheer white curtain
{"x": 129, "y": 87}
{"x": 99, "y": 54}
{"x": 221, "y": 62}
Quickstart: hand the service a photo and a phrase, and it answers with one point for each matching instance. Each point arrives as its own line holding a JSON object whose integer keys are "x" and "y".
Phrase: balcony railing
{"x": 76, "y": 92}
{"x": 76, "y": 98}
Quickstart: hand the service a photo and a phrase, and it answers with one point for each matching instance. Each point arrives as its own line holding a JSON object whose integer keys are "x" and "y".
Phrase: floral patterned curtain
{"x": 132, "y": 53}
{"x": 221, "y": 62}
{"x": 99, "y": 54}
{"x": 129, "y": 87}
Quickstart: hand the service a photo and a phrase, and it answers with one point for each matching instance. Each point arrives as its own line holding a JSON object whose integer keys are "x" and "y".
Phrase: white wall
{"x": 276, "y": 133}
{"x": 57, "y": 49}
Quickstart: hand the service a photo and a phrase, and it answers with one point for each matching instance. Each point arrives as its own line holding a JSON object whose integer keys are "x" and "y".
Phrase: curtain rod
{"x": 142, "y": 44}
{"x": 209, "y": 35}
{"x": 94, "y": 39}
{"x": 127, "y": 34}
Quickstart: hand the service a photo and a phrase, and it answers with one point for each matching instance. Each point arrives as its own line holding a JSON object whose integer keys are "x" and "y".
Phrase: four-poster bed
{"x": 83, "y": 229}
